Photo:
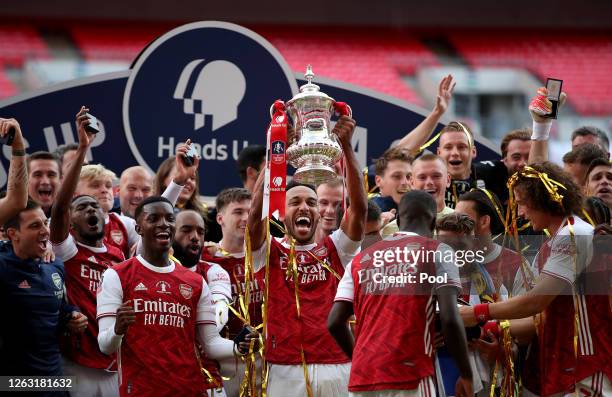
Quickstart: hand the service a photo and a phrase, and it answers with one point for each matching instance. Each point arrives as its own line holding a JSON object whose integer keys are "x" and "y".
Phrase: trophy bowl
{"x": 314, "y": 150}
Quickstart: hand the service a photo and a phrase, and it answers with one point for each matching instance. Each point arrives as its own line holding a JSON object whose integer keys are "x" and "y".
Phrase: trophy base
{"x": 314, "y": 174}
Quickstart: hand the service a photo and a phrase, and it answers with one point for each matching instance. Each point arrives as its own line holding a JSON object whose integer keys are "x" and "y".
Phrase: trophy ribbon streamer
{"x": 276, "y": 162}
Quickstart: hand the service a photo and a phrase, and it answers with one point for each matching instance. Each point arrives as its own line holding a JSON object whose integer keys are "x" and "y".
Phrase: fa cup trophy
{"x": 314, "y": 150}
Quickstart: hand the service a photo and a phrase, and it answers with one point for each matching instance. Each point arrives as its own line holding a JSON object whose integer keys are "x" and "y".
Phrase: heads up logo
{"x": 212, "y": 82}
{"x": 211, "y": 88}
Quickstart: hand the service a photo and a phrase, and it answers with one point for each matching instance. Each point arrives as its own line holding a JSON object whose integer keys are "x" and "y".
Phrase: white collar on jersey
{"x": 97, "y": 250}
{"x": 220, "y": 253}
{"x": 156, "y": 269}
{"x": 493, "y": 254}
{"x": 298, "y": 247}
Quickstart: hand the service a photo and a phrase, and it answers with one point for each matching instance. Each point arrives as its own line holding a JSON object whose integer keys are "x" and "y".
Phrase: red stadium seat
{"x": 374, "y": 60}
{"x": 7, "y": 88}
{"x": 583, "y": 61}
{"x": 19, "y": 43}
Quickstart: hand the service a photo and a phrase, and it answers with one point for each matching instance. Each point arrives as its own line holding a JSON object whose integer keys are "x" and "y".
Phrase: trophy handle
{"x": 343, "y": 109}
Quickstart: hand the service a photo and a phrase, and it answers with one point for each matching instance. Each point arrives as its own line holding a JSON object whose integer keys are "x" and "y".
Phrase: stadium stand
{"x": 7, "y": 88}
{"x": 582, "y": 60}
{"x": 19, "y": 43}
{"x": 375, "y": 61}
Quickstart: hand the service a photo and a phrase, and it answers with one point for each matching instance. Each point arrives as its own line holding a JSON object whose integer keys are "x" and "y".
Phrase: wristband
{"x": 18, "y": 152}
{"x": 541, "y": 131}
{"x": 481, "y": 312}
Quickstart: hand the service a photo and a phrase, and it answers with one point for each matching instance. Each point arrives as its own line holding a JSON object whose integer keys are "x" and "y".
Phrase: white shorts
{"x": 426, "y": 389}
{"x": 91, "y": 382}
{"x": 326, "y": 380}
{"x": 596, "y": 385}
{"x": 229, "y": 370}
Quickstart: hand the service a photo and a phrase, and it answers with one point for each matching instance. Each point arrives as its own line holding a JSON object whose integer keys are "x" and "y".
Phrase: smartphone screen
{"x": 554, "y": 93}
{"x": 554, "y": 88}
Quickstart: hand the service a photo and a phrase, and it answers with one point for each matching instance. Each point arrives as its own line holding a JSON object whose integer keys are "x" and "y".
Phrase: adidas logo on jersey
{"x": 140, "y": 287}
{"x": 92, "y": 259}
{"x": 24, "y": 284}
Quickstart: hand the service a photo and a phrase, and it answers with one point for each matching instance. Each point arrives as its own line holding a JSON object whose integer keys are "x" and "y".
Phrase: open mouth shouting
{"x": 604, "y": 190}
{"x": 302, "y": 224}
{"x": 42, "y": 244}
{"x": 45, "y": 194}
{"x": 163, "y": 238}
{"x": 455, "y": 163}
{"x": 94, "y": 221}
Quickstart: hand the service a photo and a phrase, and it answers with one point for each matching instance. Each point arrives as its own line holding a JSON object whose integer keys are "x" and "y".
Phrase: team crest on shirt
{"x": 321, "y": 251}
{"x": 186, "y": 291}
{"x": 302, "y": 257}
{"x": 163, "y": 287}
{"x": 57, "y": 280}
{"x": 117, "y": 236}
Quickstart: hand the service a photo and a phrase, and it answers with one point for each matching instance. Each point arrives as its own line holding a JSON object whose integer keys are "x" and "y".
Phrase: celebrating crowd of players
{"x": 154, "y": 294}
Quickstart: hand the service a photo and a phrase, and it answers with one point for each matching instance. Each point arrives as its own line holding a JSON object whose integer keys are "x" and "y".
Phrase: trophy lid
{"x": 309, "y": 89}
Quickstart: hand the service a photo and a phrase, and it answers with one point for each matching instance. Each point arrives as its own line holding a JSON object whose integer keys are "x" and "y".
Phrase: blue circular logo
{"x": 212, "y": 82}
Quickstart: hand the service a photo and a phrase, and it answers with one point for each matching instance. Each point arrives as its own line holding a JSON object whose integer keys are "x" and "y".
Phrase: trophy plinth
{"x": 315, "y": 150}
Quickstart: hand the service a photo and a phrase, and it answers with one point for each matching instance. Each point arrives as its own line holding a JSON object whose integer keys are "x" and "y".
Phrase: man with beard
{"x": 77, "y": 235}
{"x": 155, "y": 310}
{"x": 187, "y": 247}
{"x": 303, "y": 277}
{"x": 233, "y": 205}
{"x": 97, "y": 181}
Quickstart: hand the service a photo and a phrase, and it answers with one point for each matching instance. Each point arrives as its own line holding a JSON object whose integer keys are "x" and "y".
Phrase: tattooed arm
{"x": 17, "y": 186}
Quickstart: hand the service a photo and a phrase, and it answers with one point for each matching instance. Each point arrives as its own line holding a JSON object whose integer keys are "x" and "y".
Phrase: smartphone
{"x": 8, "y": 138}
{"x": 554, "y": 93}
{"x": 92, "y": 127}
{"x": 191, "y": 154}
{"x": 242, "y": 335}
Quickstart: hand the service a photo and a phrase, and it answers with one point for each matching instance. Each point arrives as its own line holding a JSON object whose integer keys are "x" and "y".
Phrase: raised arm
{"x": 538, "y": 108}
{"x": 353, "y": 224}
{"x": 60, "y": 214}
{"x": 257, "y": 226}
{"x": 421, "y": 133}
{"x": 17, "y": 186}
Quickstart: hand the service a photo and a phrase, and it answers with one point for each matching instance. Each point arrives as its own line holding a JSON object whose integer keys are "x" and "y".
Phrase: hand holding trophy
{"x": 314, "y": 150}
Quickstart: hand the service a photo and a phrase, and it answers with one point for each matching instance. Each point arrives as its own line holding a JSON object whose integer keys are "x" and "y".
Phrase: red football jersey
{"x": 116, "y": 234}
{"x": 561, "y": 369}
{"x": 158, "y": 353}
{"x": 234, "y": 266}
{"x": 84, "y": 266}
{"x": 394, "y": 329}
{"x": 286, "y": 333}
{"x": 503, "y": 268}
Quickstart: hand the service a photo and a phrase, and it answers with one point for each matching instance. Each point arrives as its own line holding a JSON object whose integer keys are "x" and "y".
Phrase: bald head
{"x": 136, "y": 184}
